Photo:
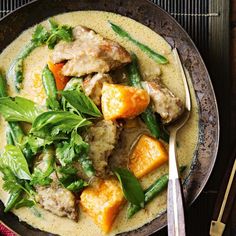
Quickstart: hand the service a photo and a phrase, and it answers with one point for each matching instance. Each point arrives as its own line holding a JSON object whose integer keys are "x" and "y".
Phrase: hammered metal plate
{"x": 161, "y": 22}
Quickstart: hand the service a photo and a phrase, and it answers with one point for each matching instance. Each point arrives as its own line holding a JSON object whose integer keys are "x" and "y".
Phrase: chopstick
{"x": 218, "y": 225}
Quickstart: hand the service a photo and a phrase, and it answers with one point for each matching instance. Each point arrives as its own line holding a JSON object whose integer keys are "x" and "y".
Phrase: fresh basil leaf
{"x": 81, "y": 102}
{"x": 35, "y": 144}
{"x": 13, "y": 158}
{"x": 53, "y": 125}
{"x": 16, "y": 188}
{"x": 40, "y": 35}
{"x": 131, "y": 187}
{"x": 19, "y": 109}
{"x": 12, "y": 200}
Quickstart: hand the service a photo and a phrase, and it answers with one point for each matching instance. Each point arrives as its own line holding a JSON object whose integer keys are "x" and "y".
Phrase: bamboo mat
{"x": 207, "y": 23}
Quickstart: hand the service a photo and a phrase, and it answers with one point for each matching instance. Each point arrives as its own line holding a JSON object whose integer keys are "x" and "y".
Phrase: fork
{"x": 175, "y": 206}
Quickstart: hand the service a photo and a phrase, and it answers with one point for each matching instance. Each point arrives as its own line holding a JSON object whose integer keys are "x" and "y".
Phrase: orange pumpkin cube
{"x": 120, "y": 101}
{"x": 147, "y": 155}
{"x": 102, "y": 202}
{"x": 60, "y": 79}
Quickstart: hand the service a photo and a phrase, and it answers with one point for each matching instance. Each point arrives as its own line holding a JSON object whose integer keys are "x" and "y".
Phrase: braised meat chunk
{"x": 57, "y": 200}
{"x": 92, "y": 86}
{"x": 164, "y": 101}
{"x": 54, "y": 197}
{"x": 102, "y": 138}
{"x": 89, "y": 53}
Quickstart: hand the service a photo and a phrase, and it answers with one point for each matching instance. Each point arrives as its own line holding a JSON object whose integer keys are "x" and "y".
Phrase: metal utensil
{"x": 175, "y": 206}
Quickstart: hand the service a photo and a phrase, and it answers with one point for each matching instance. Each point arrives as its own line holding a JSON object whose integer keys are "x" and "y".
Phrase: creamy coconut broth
{"x": 33, "y": 89}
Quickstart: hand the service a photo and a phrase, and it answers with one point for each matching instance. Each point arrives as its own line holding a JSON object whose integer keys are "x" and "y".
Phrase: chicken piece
{"x": 92, "y": 86}
{"x": 102, "y": 138}
{"x": 164, "y": 101}
{"x": 89, "y": 53}
{"x": 55, "y": 198}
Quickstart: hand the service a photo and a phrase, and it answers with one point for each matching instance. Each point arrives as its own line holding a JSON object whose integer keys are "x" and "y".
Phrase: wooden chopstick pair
{"x": 225, "y": 200}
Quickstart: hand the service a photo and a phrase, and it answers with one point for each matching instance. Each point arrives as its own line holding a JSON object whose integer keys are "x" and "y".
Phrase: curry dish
{"x": 86, "y": 100}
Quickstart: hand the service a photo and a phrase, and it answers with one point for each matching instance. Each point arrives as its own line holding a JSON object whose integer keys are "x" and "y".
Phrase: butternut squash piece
{"x": 102, "y": 202}
{"x": 60, "y": 79}
{"x": 147, "y": 155}
{"x": 120, "y": 101}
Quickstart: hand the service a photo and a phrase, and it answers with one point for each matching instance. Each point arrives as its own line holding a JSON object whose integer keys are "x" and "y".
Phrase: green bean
{"x": 14, "y": 133}
{"x": 151, "y": 192}
{"x": 16, "y": 69}
{"x": 150, "y": 120}
{"x": 50, "y": 89}
{"x": 148, "y": 116}
{"x": 151, "y": 53}
{"x": 13, "y": 200}
{"x": 3, "y": 86}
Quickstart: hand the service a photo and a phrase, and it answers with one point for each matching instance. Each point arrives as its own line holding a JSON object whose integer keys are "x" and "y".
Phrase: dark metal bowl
{"x": 161, "y": 22}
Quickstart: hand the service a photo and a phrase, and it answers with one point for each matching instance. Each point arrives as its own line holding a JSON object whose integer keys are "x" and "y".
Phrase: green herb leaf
{"x": 76, "y": 149}
{"x": 53, "y": 24}
{"x": 131, "y": 187}
{"x": 81, "y": 102}
{"x": 41, "y": 174}
{"x": 58, "y": 33}
{"x": 13, "y": 158}
{"x": 18, "y": 109}
{"x": 151, "y": 53}
{"x": 11, "y": 183}
{"x": 16, "y": 188}
{"x": 67, "y": 170}
{"x": 40, "y": 35}
{"x": 67, "y": 152}
{"x": 41, "y": 178}
{"x": 77, "y": 185}
{"x": 12, "y": 200}
{"x": 25, "y": 203}
{"x": 35, "y": 144}
{"x": 70, "y": 180}
{"x": 74, "y": 83}
{"x": 53, "y": 125}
